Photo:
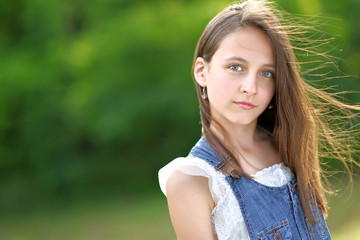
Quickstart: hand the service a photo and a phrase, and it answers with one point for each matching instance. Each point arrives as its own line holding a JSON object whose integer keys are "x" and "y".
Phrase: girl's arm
{"x": 190, "y": 206}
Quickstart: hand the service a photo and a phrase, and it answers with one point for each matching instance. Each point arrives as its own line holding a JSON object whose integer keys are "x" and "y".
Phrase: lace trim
{"x": 274, "y": 176}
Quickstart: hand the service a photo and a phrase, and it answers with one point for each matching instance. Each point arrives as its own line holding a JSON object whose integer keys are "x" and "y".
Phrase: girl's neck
{"x": 240, "y": 137}
{"x": 251, "y": 146}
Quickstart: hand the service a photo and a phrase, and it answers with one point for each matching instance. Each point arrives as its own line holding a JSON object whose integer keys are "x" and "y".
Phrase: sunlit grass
{"x": 138, "y": 218}
{"x": 344, "y": 218}
{"x": 118, "y": 218}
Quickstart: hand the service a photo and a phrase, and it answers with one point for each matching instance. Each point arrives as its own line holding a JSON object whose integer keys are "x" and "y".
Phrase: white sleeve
{"x": 195, "y": 167}
{"x": 226, "y": 217}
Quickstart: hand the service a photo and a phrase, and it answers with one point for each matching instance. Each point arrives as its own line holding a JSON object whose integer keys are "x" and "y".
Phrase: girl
{"x": 255, "y": 173}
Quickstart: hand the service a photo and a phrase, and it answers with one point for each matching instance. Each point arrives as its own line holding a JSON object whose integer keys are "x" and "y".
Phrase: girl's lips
{"x": 245, "y": 105}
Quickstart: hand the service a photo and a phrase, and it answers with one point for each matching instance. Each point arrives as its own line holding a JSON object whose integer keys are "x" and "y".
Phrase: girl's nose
{"x": 248, "y": 85}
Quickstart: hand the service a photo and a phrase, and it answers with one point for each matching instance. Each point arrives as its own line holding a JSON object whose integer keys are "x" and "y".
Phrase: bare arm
{"x": 190, "y": 205}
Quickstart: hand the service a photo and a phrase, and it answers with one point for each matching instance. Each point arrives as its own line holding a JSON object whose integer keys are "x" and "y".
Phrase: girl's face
{"x": 240, "y": 78}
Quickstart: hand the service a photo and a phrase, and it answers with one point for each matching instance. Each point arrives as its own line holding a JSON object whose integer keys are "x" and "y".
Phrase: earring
{"x": 203, "y": 93}
{"x": 270, "y": 106}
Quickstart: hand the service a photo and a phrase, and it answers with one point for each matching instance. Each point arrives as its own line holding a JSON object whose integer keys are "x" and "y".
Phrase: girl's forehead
{"x": 247, "y": 43}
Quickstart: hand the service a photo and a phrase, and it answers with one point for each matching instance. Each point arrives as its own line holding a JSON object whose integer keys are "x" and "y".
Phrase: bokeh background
{"x": 97, "y": 95}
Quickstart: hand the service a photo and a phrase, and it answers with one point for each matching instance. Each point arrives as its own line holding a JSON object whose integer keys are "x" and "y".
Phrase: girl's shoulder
{"x": 193, "y": 166}
{"x": 185, "y": 182}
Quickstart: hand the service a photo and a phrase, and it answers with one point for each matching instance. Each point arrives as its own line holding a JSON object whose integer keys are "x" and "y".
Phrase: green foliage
{"x": 97, "y": 95}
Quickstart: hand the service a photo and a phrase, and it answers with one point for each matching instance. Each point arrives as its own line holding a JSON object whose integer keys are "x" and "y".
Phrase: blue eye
{"x": 267, "y": 74}
{"x": 236, "y": 68}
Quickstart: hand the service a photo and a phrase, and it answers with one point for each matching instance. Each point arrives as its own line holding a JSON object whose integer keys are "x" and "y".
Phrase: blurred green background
{"x": 96, "y": 96}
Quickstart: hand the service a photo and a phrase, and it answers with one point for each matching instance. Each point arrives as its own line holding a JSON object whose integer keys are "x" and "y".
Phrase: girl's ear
{"x": 200, "y": 71}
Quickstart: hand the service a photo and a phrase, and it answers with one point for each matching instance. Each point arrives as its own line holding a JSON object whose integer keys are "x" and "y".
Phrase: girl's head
{"x": 240, "y": 78}
{"x": 254, "y": 14}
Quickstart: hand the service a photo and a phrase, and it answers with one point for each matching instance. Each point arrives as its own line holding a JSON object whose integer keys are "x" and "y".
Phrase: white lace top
{"x": 226, "y": 217}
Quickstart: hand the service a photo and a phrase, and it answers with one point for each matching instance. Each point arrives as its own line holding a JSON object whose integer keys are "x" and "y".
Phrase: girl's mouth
{"x": 245, "y": 105}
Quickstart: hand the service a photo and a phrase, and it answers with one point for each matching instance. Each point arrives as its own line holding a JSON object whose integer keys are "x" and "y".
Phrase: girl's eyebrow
{"x": 240, "y": 59}
{"x": 236, "y": 58}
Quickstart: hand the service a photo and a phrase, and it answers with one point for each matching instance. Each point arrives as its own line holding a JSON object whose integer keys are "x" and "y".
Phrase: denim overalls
{"x": 268, "y": 212}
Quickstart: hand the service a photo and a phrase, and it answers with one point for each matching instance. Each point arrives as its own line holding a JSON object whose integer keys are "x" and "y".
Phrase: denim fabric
{"x": 268, "y": 212}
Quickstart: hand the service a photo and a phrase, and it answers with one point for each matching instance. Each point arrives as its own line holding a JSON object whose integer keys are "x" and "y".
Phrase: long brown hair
{"x": 304, "y": 122}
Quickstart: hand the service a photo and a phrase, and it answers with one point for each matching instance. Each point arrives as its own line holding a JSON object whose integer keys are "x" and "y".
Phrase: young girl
{"x": 255, "y": 173}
